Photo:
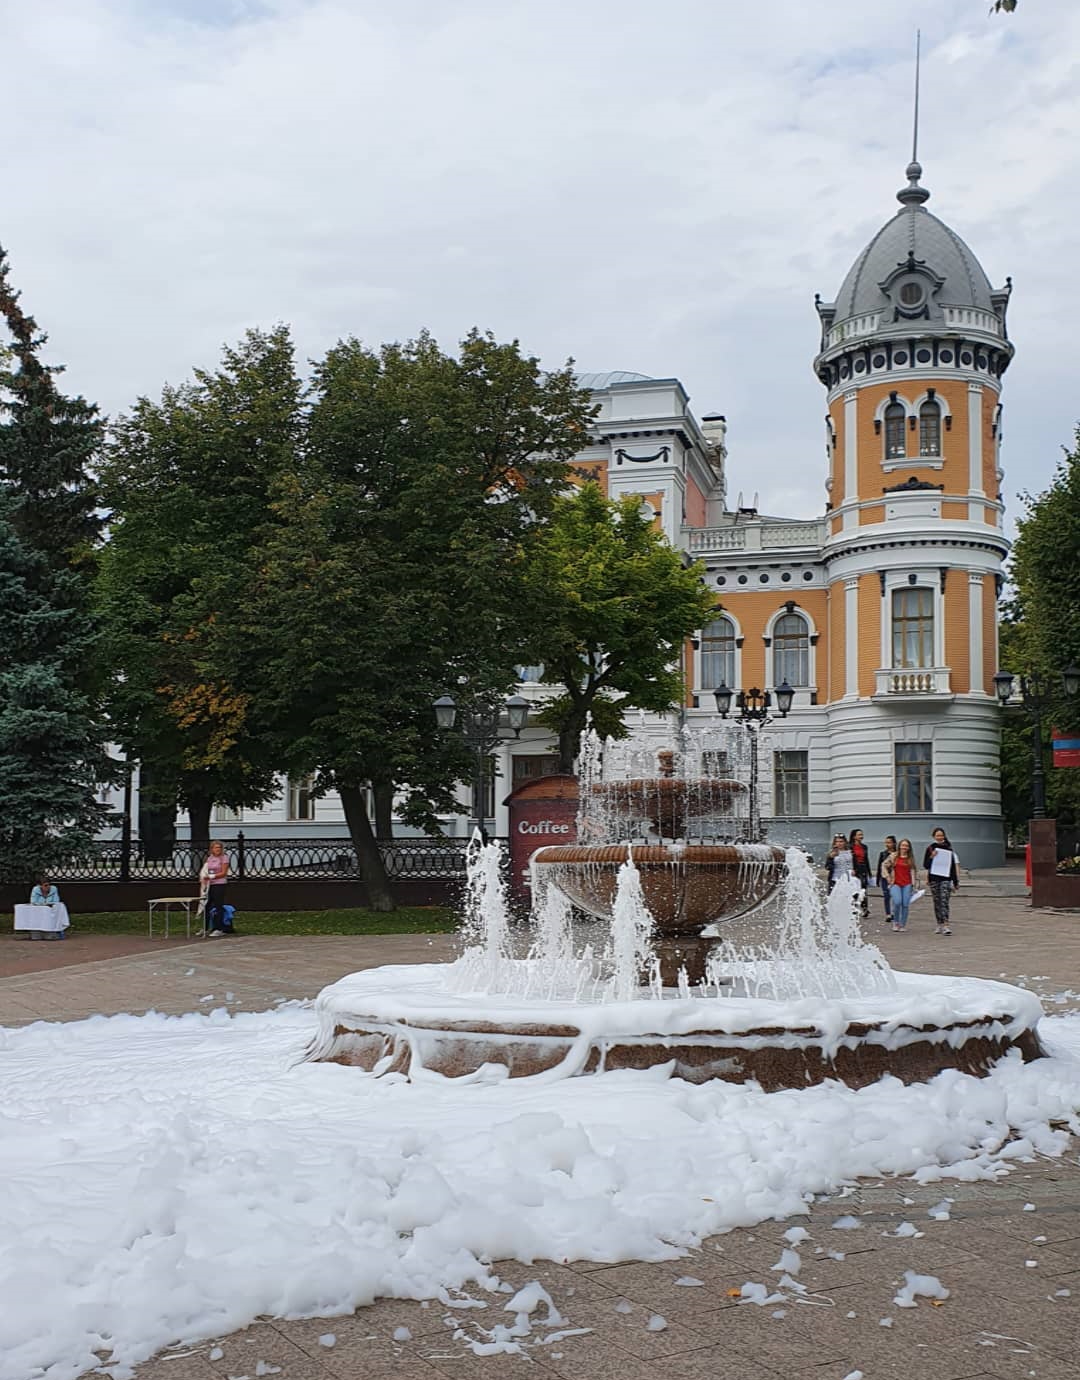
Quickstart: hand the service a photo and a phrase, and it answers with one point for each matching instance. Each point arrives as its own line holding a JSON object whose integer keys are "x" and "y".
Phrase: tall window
{"x": 301, "y": 800}
{"x": 791, "y": 650}
{"x": 718, "y": 654}
{"x": 914, "y": 778}
{"x": 930, "y": 428}
{"x": 529, "y": 766}
{"x": 531, "y": 675}
{"x": 715, "y": 762}
{"x": 791, "y": 784}
{"x": 226, "y": 814}
{"x": 895, "y": 443}
{"x": 912, "y": 628}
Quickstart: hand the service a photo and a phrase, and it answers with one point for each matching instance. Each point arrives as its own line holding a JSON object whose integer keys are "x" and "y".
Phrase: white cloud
{"x": 650, "y": 188}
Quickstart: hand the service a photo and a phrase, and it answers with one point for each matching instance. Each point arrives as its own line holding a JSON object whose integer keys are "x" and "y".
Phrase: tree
{"x": 611, "y": 603}
{"x": 48, "y": 446}
{"x": 394, "y": 572}
{"x": 1042, "y": 634}
{"x": 51, "y": 754}
{"x": 188, "y": 482}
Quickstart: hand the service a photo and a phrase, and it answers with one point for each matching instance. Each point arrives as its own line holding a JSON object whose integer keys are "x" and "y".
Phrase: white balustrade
{"x": 929, "y": 680}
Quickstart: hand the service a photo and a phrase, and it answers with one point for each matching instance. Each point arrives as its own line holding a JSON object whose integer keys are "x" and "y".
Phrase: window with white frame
{"x": 930, "y": 428}
{"x": 895, "y": 440}
{"x": 716, "y": 762}
{"x": 912, "y": 627}
{"x": 791, "y": 650}
{"x": 226, "y": 814}
{"x": 914, "y": 765}
{"x": 717, "y": 654}
{"x": 301, "y": 799}
{"x": 530, "y": 675}
{"x": 791, "y": 783}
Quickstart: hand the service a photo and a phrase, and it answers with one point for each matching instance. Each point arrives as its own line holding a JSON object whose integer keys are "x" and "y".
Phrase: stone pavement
{"x": 1009, "y": 1252}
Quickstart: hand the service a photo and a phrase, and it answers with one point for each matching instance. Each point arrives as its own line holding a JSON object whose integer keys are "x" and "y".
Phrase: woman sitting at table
{"x": 45, "y": 894}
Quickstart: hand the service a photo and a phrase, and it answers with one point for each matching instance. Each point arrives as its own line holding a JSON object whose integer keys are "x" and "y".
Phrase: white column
{"x": 851, "y": 637}
{"x": 975, "y": 455}
{"x": 851, "y": 456}
{"x": 975, "y": 631}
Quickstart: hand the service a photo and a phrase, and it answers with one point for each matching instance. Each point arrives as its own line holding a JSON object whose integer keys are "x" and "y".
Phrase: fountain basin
{"x": 410, "y": 1020}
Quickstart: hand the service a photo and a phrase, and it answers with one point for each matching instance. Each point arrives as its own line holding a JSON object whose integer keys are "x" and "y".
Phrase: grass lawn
{"x": 404, "y": 920}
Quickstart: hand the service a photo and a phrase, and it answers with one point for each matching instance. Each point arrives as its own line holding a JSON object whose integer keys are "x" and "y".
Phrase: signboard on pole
{"x": 1066, "y": 750}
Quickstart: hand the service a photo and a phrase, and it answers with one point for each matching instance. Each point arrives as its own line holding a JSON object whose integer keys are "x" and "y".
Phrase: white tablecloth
{"x": 52, "y": 918}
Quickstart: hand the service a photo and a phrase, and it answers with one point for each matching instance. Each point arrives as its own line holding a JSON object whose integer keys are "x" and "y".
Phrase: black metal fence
{"x": 315, "y": 859}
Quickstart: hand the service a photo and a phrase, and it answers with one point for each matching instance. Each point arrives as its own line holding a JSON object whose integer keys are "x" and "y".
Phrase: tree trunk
{"x": 198, "y": 808}
{"x": 384, "y": 809}
{"x": 353, "y": 803}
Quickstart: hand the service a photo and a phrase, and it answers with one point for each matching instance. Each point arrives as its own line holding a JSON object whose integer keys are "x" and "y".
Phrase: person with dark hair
{"x": 837, "y": 861}
{"x": 879, "y": 878}
{"x": 860, "y": 866}
{"x": 940, "y": 862}
{"x": 903, "y": 878}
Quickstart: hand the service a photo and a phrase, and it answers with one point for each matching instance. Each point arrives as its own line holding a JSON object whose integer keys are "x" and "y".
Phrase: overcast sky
{"x": 646, "y": 186}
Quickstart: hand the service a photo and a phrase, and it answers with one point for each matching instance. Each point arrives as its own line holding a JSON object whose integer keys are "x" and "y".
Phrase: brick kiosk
{"x": 543, "y": 811}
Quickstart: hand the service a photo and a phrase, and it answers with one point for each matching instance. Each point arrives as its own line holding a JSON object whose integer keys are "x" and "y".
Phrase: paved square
{"x": 1009, "y": 1252}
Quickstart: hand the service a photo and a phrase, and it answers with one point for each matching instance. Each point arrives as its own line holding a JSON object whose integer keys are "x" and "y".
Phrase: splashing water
{"x": 631, "y": 933}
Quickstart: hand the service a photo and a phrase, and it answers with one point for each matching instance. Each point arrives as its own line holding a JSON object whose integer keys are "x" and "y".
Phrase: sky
{"x": 660, "y": 188}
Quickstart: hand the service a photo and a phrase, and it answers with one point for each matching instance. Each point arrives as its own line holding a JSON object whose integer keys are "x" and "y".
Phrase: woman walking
{"x": 213, "y": 877}
{"x": 940, "y": 863}
{"x": 860, "y": 866}
{"x": 879, "y": 877}
{"x": 903, "y": 878}
{"x": 838, "y": 862}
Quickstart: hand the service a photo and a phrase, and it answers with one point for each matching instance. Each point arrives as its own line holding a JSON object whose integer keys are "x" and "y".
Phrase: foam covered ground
{"x": 171, "y": 1178}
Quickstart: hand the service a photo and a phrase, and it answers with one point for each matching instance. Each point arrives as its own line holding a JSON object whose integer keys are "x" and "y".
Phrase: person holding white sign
{"x": 940, "y": 862}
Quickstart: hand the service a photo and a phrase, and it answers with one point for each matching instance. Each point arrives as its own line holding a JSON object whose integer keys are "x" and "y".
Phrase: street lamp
{"x": 754, "y": 708}
{"x": 483, "y": 730}
{"x": 1035, "y": 692}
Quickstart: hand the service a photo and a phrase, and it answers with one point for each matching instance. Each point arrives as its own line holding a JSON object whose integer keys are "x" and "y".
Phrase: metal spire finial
{"x": 913, "y": 194}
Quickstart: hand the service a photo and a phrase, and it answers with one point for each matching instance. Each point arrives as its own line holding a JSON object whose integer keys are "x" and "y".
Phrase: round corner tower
{"x": 912, "y": 355}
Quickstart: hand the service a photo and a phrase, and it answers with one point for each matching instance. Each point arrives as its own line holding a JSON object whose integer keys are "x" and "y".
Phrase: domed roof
{"x": 913, "y": 240}
{"x": 598, "y": 381}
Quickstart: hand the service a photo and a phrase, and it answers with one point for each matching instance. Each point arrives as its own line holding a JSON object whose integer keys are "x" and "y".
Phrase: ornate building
{"x": 881, "y": 613}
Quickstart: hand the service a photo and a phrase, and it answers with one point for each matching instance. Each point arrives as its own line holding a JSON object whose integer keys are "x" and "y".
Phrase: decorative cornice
{"x": 913, "y": 485}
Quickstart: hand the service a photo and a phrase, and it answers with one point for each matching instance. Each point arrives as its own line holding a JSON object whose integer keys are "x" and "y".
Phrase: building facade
{"x": 882, "y": 612}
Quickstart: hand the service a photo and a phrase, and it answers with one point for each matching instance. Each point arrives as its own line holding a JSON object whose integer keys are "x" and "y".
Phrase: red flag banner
{"x": 1066, "y": 750}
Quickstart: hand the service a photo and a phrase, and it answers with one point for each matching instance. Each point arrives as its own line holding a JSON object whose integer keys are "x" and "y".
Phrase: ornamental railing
{"x": 328, "y": 859}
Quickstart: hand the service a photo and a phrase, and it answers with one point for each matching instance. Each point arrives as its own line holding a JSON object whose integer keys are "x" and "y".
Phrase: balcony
{"x": 928, "y": 684}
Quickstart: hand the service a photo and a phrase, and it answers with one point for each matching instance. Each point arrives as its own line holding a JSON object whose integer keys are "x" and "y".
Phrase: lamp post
{"x": 1036, "y": 690}
{"x": 483, "y": 730}
{"x": 754, "y": 708}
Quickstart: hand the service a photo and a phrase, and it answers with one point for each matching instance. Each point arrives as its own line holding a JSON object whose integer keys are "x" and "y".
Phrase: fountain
{"x": 701, "y": 948}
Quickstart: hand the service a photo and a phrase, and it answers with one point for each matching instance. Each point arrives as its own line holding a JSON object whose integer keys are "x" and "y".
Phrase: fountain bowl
{"x": 686, "y": 887}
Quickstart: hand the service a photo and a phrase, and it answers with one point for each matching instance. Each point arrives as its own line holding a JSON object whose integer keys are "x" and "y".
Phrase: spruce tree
{"x": 48, "y": 444}
{"x": 51, "y": 757}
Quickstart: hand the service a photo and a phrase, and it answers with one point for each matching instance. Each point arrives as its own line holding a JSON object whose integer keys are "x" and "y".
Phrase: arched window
{"x": 717, "y": 654}
{"x": 791, "y": 650}
{"x": 895, "y": 444}
{"x": 930, "y": 428}
{"x": 912, "y": 627}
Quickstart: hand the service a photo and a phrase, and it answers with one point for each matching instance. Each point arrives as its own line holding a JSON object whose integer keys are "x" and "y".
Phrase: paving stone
{"x": 242, "y": 1352}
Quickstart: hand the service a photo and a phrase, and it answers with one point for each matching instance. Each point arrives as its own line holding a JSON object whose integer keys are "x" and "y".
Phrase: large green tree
{"x": 51, "y": 753}
{"x": 611, "y": 603}
{"x": 1042, "y": 634}
{"x": 188, "y": 482}
{"x": 394, "y": 572}
{"x": 48, "y": 446}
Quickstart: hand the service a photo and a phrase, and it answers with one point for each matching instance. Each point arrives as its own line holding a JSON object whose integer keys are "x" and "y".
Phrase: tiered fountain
{"x": 671, "y": 863}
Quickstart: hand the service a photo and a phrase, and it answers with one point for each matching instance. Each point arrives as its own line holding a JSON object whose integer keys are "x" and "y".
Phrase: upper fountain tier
{"x": 666, "y": 802}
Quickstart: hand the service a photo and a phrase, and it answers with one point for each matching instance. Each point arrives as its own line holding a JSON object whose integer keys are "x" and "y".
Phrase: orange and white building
{"x": 882, "y": 612}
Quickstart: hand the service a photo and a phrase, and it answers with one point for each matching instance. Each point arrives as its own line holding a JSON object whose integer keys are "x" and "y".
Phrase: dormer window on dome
{"x": 912, "y": 293}
{"x": 910, "y": 288}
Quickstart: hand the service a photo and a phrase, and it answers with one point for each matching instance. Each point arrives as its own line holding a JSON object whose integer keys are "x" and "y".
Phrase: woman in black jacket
{"x": 879, "y": 877}
{"x": 860, "y": 866}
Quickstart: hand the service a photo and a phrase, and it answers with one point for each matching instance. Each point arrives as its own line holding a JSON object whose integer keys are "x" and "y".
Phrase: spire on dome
{"x": 913, "y": 194}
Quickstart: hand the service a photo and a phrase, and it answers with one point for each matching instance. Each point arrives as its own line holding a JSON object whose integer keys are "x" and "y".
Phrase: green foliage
{"x": 611, "y": 604}
{"x": 48, "y": 444}
{"x": 51, "y": 754}
{"x": 188, "y": 481}
{"x": 1042, "y": 635}
{"x": 393, "y": 572}
{"x": 405, "y": 920}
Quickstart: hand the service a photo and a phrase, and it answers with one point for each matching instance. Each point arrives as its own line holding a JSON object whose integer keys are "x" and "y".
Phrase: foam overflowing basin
{"x": 411, "y": 1020}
